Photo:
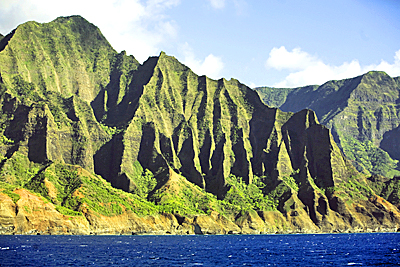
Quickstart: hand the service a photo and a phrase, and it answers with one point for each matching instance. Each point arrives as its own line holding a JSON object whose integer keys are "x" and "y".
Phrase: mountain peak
{"x": 71, "y": 18}
{"x": 171, "y": 62}
{"x": 376, "y": 73}
{"x": 74, "y": 56}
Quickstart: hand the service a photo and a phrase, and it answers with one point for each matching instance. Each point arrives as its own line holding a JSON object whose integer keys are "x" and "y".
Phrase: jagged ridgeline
{"x": 363, "y": 114}
{"x": 75, "y": 114}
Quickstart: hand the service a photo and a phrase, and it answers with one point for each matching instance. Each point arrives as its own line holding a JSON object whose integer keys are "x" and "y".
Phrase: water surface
{"x": 378, "y": 249}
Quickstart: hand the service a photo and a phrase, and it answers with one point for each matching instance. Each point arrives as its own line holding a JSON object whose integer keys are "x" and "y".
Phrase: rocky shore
{"x": 33, "y": 215}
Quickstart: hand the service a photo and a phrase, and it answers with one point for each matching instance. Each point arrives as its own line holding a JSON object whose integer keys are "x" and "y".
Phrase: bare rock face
{"x": 92, "y": 142}
{"x": 34, "y": 215}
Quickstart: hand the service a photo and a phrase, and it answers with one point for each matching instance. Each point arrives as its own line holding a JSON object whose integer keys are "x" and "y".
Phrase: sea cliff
{"x": 93, "y": 142}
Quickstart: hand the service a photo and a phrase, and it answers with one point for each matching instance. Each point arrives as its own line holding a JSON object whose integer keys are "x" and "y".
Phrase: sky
{"x": 278, "y": 43}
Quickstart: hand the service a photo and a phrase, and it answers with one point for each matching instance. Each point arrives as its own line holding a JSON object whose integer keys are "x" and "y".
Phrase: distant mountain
{"x": 79, "y": 122}
{"x": 363, "y": 114}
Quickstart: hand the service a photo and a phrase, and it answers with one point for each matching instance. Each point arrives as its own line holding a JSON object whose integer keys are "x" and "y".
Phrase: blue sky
{"x": 281, "y": 43}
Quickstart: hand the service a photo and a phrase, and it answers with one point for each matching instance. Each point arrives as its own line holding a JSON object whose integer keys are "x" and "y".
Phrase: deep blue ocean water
{"x": 378, "y": 249}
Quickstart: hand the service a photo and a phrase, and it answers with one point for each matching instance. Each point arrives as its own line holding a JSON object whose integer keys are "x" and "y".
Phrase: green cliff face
{"x": 80, "y": 121}
{"x": 362, "y": 113}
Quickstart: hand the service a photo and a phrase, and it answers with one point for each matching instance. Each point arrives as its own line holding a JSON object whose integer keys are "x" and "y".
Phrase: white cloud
{"x": 139, "y": 28}
{"x": 252, "y": 85}
{"x": 210, "y": 66}
{"x": 391, "y": 69}
{"x": 217, "y": 4}
{"x": 307, "y": 69}
{"x": 280, "y": 58}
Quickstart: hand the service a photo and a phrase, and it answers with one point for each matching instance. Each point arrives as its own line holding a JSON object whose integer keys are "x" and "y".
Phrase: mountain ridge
{"x": 193, "y": 155}
{"x": 370, "y": 105}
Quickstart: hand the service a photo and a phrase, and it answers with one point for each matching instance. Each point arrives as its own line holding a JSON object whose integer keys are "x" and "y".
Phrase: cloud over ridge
{"x": 306, "y": 69}
{"x": 210, "y": 66}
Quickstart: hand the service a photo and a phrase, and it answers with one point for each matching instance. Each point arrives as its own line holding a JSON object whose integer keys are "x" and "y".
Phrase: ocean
{"x": 375, "y": 249}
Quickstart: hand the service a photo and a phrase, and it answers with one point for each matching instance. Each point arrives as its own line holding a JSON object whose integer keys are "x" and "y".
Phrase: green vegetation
{"x": 18, "y": 170}
{"x": 67, "y": 211}
{"x": 240, "y": 198}
{"x": 8, "y": 190}
{"x": 273, "y": 97}
{"x": 184, "y": 198}
{"x": 291, "y": 182}
{"x": 389, "y": 189}
{"x": 243, "y": 197}
{"x": 26, "y": 91}
{"x": 111, "y": 130}
{"x": 141, "y": 181}
{"x": 356, "y": 188}
{"x": 368, "y": 156}
{"x": 6, "y": 141}
{"x": 71, "y": 189}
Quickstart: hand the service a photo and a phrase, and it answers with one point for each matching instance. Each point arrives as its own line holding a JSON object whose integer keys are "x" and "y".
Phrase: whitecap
{"x": 354, "y": 263}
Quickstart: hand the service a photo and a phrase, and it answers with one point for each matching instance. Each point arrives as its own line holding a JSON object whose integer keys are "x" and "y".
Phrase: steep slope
{"x": 362, "y": 112}
{"x": 193, "y": 155}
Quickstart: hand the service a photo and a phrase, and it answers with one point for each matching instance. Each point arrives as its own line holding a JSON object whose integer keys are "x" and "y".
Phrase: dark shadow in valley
{"x": 261, "y": 126}
{"x": 107, "y": 162}
{"x": 186, "y": 157}
{"x": 6, "y": 39}
{"x": 123, "y": 112}
{"x": 391, "y": 144}
{"x": 150, "y": 159}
